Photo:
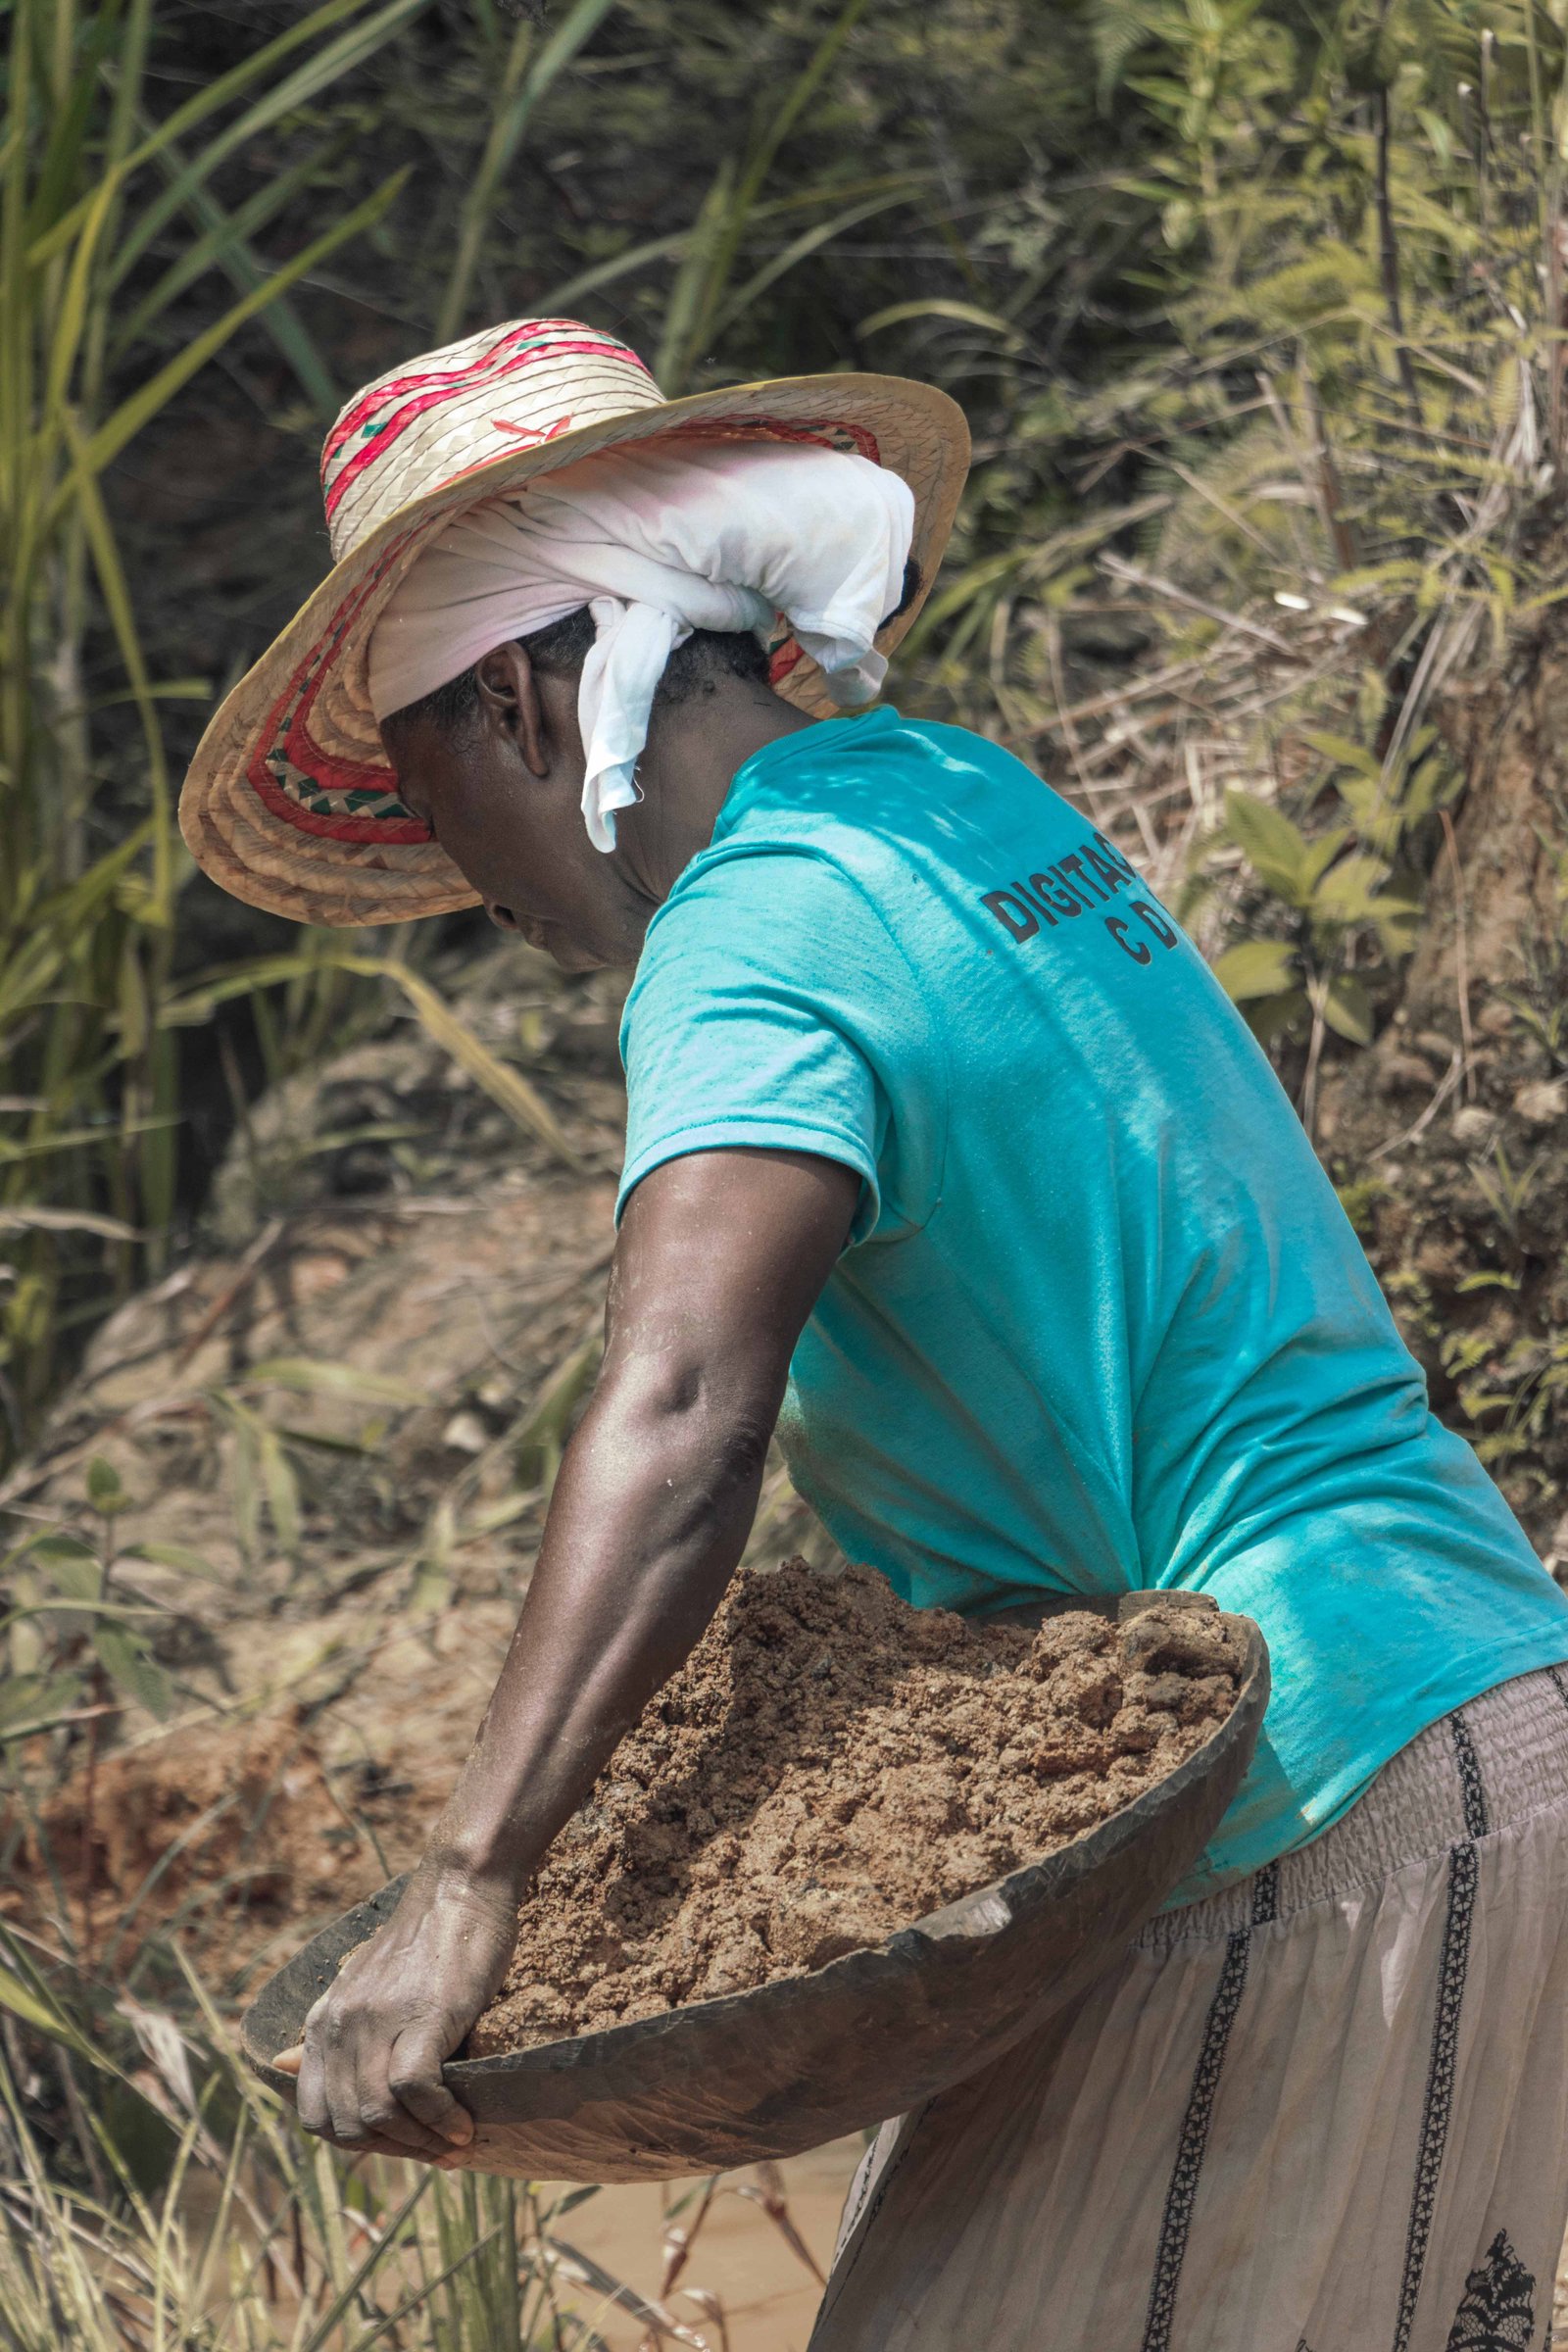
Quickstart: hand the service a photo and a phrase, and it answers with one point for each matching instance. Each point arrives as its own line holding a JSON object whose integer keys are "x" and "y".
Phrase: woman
{"x": 947, "y": 1154}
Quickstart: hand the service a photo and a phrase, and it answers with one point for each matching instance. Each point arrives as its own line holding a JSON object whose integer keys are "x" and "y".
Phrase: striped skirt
{"x": 1324, "y": 2111}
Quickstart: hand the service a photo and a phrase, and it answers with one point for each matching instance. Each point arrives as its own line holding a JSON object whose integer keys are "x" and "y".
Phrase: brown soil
{"x": 829, "y": 1765}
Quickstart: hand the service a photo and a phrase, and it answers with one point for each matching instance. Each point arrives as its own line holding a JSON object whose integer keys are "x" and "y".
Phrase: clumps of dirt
{"x": 225, "y": 1832}
{"x": 829, "y": 1766}
{"x": 172, "y": 1815}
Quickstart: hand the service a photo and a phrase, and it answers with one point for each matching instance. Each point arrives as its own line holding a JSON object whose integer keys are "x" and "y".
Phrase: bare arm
{"x": 721, "y": 1260}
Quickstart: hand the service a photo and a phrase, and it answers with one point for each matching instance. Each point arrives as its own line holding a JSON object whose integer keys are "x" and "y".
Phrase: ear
{"x": 508, "y": 696}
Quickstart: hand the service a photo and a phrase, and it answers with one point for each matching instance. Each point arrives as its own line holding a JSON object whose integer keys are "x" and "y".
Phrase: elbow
{"x": 706, "y": 1431}
{"x": 739, "y": 1449}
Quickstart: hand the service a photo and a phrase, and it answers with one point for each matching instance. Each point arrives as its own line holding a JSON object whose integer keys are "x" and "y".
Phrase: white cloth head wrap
{"x": 657, "y": 542}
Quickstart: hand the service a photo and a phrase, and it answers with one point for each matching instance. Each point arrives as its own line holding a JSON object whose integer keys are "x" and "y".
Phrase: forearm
{"x": 648, "y": 1518}
{"x": 721, "y": 1255}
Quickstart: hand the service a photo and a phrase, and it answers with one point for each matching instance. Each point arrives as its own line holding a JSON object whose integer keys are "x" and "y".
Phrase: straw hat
{"x": 290, "y": 802}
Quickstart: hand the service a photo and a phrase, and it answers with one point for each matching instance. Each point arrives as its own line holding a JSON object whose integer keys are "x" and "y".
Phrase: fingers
{"x": 384, "y": 2123}
{"x": 289, "y": 2061}
{"x": 415, "y": 2081}
{"x": 320, "y": 2059}
{"x": 348, "y": 2090}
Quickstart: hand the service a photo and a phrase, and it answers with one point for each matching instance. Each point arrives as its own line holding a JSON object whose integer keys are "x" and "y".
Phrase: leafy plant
{"x": 1326, "y": 465}
{"x": 1336, "y": 897}
{"x": 77, "y": 1628}
{"x": 1343, "y": 885}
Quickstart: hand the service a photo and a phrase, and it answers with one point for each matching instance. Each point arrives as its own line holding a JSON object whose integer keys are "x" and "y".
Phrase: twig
{"x": 244, "y": 1275}
{"x": 678, "y": 2239}
{"x": 88, "y": 1791}
{"x": 769, "y": 2194}
{"x": 1222, "y": 506}
{"x": 155, "y": 1408}
{"x": 1120, "y": 570}
{"x": 1461, "y": 959}
{"x": 1314, "y": 1055}
{"x": 1136, "y": 690}
{"x": 708, "y": 2304}
{"x": 1330, "y": 489}
{"x": 1051, "y": 631}
{"x": 1443, "y": 1089}
{"x": 82, "y": 2128}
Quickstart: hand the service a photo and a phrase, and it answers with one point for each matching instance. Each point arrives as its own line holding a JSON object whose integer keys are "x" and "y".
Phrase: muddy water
{"x": 767, "y": 2295}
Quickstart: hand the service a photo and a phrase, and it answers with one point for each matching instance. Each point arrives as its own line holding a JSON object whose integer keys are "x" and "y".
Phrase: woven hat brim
{"x": 280, "y": 859}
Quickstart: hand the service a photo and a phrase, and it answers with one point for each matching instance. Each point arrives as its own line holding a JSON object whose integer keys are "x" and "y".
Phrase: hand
{"x": 369, "y": 2066}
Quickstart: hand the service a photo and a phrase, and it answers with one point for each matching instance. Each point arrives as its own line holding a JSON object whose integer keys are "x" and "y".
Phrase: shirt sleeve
{"x": 748, "y": 1024}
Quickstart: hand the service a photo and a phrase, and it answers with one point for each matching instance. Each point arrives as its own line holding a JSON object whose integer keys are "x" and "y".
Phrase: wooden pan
{"x": 790, "y": 2065}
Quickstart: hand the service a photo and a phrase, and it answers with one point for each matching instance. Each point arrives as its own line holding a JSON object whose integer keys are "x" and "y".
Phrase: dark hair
{"x": 697, "y": 667}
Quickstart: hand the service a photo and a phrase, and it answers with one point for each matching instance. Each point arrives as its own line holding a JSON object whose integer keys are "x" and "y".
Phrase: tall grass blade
{"x": 523, "y": 85}
{"x": 143, "y": 404}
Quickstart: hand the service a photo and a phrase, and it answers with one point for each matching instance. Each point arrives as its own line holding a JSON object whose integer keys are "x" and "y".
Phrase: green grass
{"x": 176, "y": 2204}
{"x": 89, "y": 186}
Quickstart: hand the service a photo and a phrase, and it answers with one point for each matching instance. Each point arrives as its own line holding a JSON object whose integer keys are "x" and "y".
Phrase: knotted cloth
{"x": 657, "y": 543}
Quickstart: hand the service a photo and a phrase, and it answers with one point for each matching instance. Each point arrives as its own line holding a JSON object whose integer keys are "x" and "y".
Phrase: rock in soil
{"x": 829, "y": 1765}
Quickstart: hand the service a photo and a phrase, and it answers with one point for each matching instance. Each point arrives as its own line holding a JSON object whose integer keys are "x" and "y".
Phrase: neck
{"x": 693, "y": 751}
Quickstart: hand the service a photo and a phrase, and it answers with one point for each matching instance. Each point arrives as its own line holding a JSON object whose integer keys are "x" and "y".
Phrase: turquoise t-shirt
{"x": 1102, "y": 1322}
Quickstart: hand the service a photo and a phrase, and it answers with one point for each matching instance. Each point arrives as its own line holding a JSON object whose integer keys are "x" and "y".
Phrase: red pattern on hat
{"x": 430, "y": 391}
{"x": 287, "y": 738}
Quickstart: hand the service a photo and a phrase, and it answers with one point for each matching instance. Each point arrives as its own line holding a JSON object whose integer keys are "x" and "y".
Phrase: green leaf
{"x": 247, "y": 1491}
{"x": 55, "y": 1548}
{"x": 310, "y": 1375}
{"x": 967, "y": 313}
{"x": 433, "y": 1573}
{"x": 283, "y": 1490}
{"x": 104, "y": 1490}
{"x": 1503, "y": 395}
{"x": 129, "y": 1667}
{"x": 35, "y": 2008}
{"x": 519, "y": 94}
{"x": 139, "y": 407}
{"x": 1275, "y": 849}
{"x": 60, "y": 1606}
{"x": 212, "y": 96}
{"x": 539, "y": 1439}
{"x": 225, "y": 245}
{"x": 800, "y": 248}
{"x": 278, "y": 99}
{"x": 28, "y": 1701}
{"x": 1257, "y": 968}
{"x": 321, "y": 1441}
{"x": 1348, "y": 895}
{"x": 1321, "y": 852}
{"x": 1433, "y": 784}
{"x": 1344, "y": 753}
{"x": 74, "y": 1573}
{"x": 175, "y": 1556}
{"x": 1272, "y": 1017}
{"x": 1347, "y": 1010}
{"x": 1398, "y": 923}
{"x": 1378, "y": 816}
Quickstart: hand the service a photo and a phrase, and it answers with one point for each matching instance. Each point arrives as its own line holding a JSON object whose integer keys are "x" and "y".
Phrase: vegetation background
{"x": 1257, "y": 313}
